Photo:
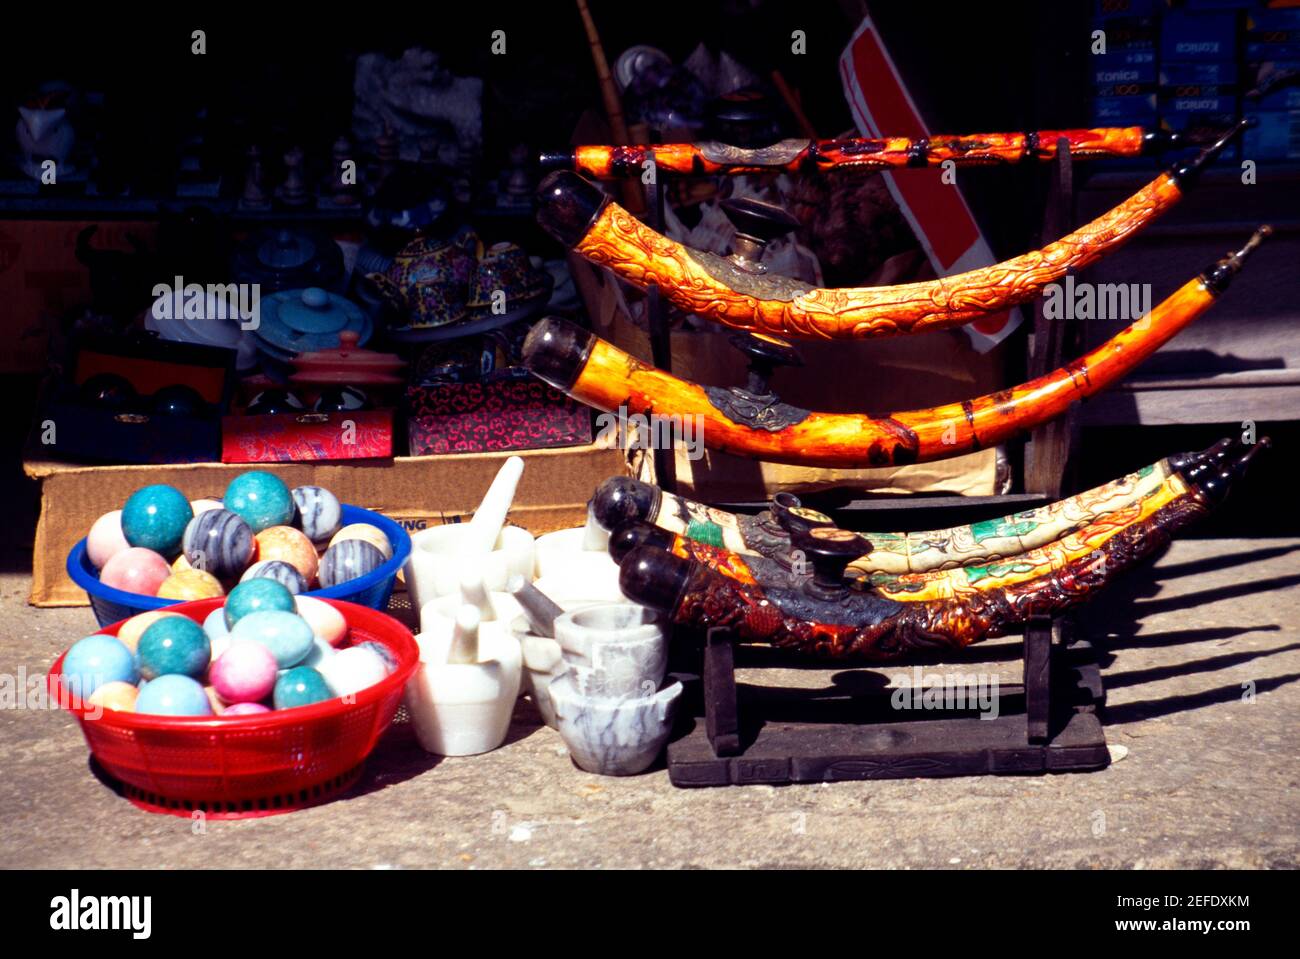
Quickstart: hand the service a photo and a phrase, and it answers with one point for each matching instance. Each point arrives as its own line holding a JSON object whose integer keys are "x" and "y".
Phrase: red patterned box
{"x": 306, "y": 437}
{"x": 512, "y": 412}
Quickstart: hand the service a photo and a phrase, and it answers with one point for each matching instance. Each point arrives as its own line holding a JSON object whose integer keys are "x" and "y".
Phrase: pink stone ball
{"x": 135, "y": 570}
{"x": 244, "y": 673}
{"x": 105, "y": 539}
{"x": 245, "y": 709}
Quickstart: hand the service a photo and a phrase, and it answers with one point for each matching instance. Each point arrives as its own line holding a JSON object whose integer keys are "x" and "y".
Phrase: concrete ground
{"x": 1208, "y": 776}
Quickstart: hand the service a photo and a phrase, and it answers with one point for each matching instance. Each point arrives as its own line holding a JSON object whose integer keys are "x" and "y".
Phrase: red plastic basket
{"x": 246, "y": 766}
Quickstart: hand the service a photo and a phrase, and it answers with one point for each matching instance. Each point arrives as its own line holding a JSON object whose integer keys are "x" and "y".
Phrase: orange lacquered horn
{"x": 600, "y": 374}
{"x": 578, "y": 214}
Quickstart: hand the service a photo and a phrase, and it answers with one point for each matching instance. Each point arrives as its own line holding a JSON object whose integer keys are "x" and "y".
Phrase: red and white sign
{"x": 937, "y": 212}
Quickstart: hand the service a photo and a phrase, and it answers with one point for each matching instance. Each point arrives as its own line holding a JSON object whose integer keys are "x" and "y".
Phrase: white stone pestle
{"x": 485, "y": 526}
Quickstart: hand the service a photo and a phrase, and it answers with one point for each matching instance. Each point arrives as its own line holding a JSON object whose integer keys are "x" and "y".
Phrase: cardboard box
{"x": 415, "y": 491}
{"x": 1275, "y": 136}
{"x": 1198, "y": 36}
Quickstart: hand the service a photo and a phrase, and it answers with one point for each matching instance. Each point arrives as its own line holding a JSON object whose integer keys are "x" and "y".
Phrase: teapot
{"x": 428, "y": 280}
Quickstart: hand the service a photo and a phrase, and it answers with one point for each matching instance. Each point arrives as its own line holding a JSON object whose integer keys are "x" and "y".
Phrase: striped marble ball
{"x": 318, "y": 513}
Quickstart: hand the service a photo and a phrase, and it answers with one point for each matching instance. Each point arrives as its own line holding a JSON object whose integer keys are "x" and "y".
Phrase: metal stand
{"x": 660, "y": 335}
{"x": 1048, "y": 724}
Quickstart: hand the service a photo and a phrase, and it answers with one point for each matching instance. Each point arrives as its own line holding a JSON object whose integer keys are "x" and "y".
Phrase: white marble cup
{"x": 557, "y": 552}
{"x": 439, "y": 614}
{"x": 543, "y": 662}
{"x": 613, "y": 737}
{"x": 592, "y": 583}
{"x": 439, "y": 559}
{"x": 462, "y": 709}
{"x": 616, "y": 650}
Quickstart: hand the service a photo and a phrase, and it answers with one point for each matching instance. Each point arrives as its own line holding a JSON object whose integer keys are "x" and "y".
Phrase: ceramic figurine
{"x": 462, "y": 694}
{"x": 293, "y": 192}
{"x": 218, "y": 541}
{"x": 44, "y": 133}
{"x": 613, "y": 737}
{"x": 581, "y": 216}
{"x": 343, "y": 193}
{"x": 824, "y": 616}
{"x": 711, "y": 158}
{"x": 601, "y": 375}
{"x": 254, "y": 196}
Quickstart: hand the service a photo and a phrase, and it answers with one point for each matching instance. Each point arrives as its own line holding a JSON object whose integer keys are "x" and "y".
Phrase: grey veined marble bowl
{"x": 613, "y": 737}
{"x": 614, "y": 650}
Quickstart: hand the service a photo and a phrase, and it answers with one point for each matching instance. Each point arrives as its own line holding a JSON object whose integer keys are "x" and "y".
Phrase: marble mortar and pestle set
{"x": 595, "y": 673}
{"x": 592, "y": 662}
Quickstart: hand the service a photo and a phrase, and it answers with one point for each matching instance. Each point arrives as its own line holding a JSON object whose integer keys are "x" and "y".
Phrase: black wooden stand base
{"x": 754, "y": 734}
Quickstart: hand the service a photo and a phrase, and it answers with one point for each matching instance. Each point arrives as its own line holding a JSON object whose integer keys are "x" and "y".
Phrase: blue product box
{"x": 1129, "y": 33}
{"x": 1109, "y": 9}
{"x": 1222, "y": 106}
{"x": 1124, "y": 67}
{"x": 1260, "y": 52}
{"x": 1275, "y": 136}
{"x": 1221, "y": 4}
{"x": 1124, "y": 111}
{"x": 1286, "y": 96}
{"x": 1222, "y": 73}
{"x": 1198, "y": 36}
{"x": 1285, "y": 20}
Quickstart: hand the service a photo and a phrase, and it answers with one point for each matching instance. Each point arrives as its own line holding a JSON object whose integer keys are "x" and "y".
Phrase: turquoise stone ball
{"x": 155, "y": 517}
{"x": 300, "y": 686}
{"x": 96, "y": 660}
{"x": 173, "y": 695}
{"x": 173, "y": 645}
{"x": 257, "y": 596}
{"x": 260, "y": 499}
{"x": 287, "y": 635}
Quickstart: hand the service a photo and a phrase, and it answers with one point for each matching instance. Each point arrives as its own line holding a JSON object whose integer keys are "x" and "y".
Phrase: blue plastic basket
{"x": 373, "y": 589}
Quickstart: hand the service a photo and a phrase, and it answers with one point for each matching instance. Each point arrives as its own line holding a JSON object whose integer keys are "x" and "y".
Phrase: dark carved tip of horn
{"x": 1158, "y": 141}
{"x": 1179, "y": 462}
{"x": 1186, "y": 173}
{"x": 1217, "y": 277}
{"x": 1216, "y": 487}
{"x": 631, "y": 535}
{"x": 654, "y": 577}
{"x": 621, "y": 500}
{"x": 567, "y": 205}
{"x": 557, "y": 161}
{"x": 556, "y": 350}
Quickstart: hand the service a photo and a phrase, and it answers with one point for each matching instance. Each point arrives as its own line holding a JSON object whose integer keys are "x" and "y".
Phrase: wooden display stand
{"x": 769, "y": 735}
